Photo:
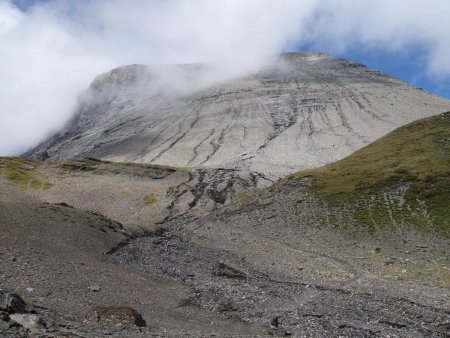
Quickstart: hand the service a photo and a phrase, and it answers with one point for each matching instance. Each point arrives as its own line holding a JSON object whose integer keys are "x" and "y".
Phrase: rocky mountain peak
{"x": 121, "y": 76}
{"x": 302, "y": 110}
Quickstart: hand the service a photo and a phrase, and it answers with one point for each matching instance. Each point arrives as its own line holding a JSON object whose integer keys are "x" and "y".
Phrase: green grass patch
{"x": 21, "y": 172}
{"x": 85, "y": 165}
{"x": 243, "y": 195}
{"x": 416, "y": 156}
{"x": 150, "y": 197}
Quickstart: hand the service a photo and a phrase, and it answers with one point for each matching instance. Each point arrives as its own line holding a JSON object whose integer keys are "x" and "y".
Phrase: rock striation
{"x": 301, "y": 110}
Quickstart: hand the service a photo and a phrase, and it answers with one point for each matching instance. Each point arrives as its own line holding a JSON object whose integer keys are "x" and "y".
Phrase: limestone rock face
{"x": 302, "y": 110}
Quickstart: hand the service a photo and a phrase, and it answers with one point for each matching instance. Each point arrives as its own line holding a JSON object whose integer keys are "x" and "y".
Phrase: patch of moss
{"x": 150, "y": 197}
{"x": 416, "y": 156}
{"x": 80, "y": 165}
{"x": 21, "y": 172}
{"x": 47, "y": 185}
{"x": 243, "y": 195}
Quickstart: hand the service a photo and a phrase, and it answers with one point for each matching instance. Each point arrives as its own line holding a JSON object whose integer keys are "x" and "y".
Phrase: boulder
{"x": 126, "y": 316}
{"x": 12, "y": 303}
{"x": 30, "y": 322}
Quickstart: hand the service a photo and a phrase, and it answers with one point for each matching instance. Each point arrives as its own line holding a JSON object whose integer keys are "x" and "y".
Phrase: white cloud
{"x": 43, "y": 67}
{"x": 52, "y": 51}
{"x": 387, "y": 25}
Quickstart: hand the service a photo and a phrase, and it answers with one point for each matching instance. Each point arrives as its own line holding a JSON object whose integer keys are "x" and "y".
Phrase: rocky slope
{"x": 300, "y": 111}
{"x": 137, "y": 195}
{"x": 53, "y": 256}
{"x": 302, "y": 256}
{"x": 359, "y": 247}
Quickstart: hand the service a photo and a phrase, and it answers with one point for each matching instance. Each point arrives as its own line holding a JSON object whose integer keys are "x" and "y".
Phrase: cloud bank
{"x": 52, "y": 51}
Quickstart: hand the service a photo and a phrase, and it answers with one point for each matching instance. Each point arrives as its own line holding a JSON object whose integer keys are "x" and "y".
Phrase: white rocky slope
{"x": 300, "y": 111}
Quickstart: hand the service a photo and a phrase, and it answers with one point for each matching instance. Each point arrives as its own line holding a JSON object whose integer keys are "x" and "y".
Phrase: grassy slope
{"x": 401, "y": 179}
{"x": 21, "y": 172}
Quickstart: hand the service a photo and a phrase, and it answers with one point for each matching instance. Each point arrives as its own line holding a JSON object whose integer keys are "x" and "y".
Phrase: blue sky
{"x": 25, "y": 4}
{"x": 408, "y": 66}
{"x": 50, "y": 50}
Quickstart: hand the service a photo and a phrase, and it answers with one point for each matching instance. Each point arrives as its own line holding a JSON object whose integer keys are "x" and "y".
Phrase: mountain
{"x": 301, "y": 111}
{"x": 153, "y": 212}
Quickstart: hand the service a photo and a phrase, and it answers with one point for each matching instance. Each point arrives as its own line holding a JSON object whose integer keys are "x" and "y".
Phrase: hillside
{"x": 140, "y": 196}
{"x": 403, "y": 178}
{"x": 359, "y": 247}
{"x": 301, "y": 111}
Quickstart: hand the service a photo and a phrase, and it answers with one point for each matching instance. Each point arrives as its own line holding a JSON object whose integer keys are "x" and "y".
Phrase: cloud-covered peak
{"x": 51, "y": 50}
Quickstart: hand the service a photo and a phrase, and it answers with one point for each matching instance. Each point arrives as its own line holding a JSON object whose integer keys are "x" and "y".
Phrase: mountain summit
{"x": 300, "y": 111}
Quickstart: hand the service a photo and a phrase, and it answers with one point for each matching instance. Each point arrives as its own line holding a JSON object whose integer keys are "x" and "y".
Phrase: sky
{"x": 50, "y": 50}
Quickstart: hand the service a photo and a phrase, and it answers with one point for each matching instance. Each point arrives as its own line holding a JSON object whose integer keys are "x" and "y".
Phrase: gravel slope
{"x": 54, "y": 257}
{"x": 276, "y": 257}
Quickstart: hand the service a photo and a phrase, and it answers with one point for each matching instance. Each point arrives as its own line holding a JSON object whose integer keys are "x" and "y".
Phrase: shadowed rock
{"x": 12, "y": 303}
{"x": 224, "y": 270}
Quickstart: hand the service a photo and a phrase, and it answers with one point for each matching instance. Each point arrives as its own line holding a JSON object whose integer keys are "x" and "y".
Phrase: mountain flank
{"x": 301, "y": 111}
{"x": 316, "y": 254}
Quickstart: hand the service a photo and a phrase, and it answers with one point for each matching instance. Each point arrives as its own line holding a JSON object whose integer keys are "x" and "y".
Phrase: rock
{"x": 422, "y": 246}
{"x": 390, "y": 261}
{"x": 31, "y": 322}
{"x": 4, "y": 325}
{"x": 42, "y": 156}
{"x": 275, "y": 322}
{"x": 445, "y": 326}
{"x": 95, "y": 288}
{"x": 63, "y": 204}
{"x": 224, "y": 270}
{"x": 276, "y": 329}
{"x": 116, "y": 315}
{"x": 12, "y": 303}
{"x": 279, "y": 332}
{"x": 30, "y": 289}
